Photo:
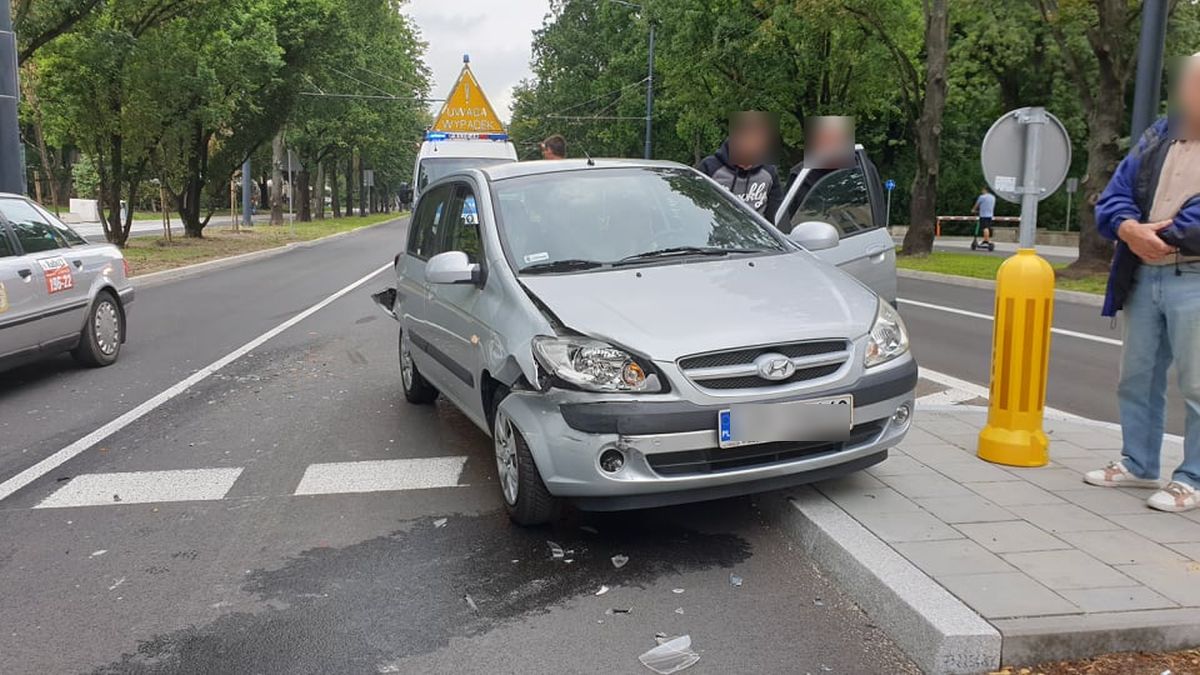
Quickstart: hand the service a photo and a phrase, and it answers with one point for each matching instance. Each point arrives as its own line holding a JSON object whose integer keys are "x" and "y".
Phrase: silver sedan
{"x": 57, "y": 291}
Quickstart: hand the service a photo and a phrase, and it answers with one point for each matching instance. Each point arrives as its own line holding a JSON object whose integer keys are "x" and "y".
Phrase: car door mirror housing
{"x": 452, "y": 267}
{"x": 815, "y": 235}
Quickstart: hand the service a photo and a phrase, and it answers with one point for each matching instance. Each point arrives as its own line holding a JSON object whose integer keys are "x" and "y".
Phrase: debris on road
{"x": 735, "y": 580}
{"x": 679, "y": 610}
{"x": 602, "y": 591}
{"x": 671, "y": 656}
{"x": 440, "y": 522}
{"x": 471, "y": 603}
{"x": 556, "y": 551}
{"x": 589, "y": 529}
{"x": 618, "y": 610}
{"x": 97, "y": 554}
{"x": 677, "y": 591}
{"x": 619, "y": 560}
{"x": 118, "y": 583}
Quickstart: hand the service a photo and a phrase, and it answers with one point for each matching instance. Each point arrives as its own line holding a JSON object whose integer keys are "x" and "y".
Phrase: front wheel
{"x": 416, "y": 388}
{"x": 100, "y": 339}
{"x": 525, "y": 495}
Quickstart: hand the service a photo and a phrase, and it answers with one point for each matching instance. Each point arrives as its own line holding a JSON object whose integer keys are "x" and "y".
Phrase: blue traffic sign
{"x": 890, "y": 185}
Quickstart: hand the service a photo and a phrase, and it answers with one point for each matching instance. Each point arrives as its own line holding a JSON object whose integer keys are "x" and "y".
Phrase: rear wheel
{"x": 416, "y": 389}
{"x": 100, "y": 339}
{"x": 525, "y": 495}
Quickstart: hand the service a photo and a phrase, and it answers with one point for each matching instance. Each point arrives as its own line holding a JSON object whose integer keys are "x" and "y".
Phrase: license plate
{"x": 828, "y": 419}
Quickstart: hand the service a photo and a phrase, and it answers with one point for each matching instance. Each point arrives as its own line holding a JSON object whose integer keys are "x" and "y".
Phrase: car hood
{"x": 673, "y": 310}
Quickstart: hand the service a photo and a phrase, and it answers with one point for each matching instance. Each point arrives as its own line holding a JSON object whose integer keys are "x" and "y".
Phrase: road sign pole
{"x": 1148, "y": 84}
{"x": 12, "y": 170}
{"x": 1067, "y": 219}
{"x": 888, "y": 220}
{"x": 1021, "y": 339}
{"x": 650, "y": 95}
{"x": 247, "y": 187}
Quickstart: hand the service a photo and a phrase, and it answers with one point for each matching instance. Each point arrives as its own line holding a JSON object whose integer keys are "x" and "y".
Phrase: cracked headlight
{"x": 592, "y": 365}
{"x": 888, "y": 338}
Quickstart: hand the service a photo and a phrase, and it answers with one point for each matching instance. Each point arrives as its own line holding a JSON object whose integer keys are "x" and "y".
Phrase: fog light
{"x": 612, "y": 460}
{"x": 900, "y": 417}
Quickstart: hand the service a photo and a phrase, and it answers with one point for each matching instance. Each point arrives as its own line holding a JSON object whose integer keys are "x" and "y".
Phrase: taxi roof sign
{"x": 467, "y": 109}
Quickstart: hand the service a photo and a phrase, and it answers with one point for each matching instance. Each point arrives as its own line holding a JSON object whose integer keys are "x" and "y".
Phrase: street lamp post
{"x": 1148, "y": 85}
{"x": 12, "y": 173}
{"x": 649, "y": 77}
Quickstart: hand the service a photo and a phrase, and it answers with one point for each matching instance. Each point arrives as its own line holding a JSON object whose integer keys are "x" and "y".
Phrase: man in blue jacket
{"x": 1152, "y": 209}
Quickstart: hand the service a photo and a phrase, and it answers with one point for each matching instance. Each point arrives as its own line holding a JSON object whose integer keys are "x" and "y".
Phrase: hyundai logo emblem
{"x": 774, "y": 367}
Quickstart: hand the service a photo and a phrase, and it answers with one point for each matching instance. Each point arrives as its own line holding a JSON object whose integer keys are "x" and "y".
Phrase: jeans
{"x": 1162, "y": 322}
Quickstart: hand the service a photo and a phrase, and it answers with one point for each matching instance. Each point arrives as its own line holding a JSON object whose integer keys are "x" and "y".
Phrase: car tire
{"x": 526, "y": 498}
{"x": 417, "y": 389}
{"x": 100, "y": 340}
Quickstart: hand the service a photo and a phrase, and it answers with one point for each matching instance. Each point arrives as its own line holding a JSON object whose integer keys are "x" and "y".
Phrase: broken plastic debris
{"x": 602, "y": 591}
{"x": 671, "y": 656}
{"x": 619, "y": 560}
{"x": 676, "y": 591}
{"x": 619, "y": 610}
{"x": 819, "y": 602}
{"x": 735, "y": 580}
{"x": 97, "y": 554}
{"x": 440, "y": 522}
{"x": 679, "y": 610}
{"x": 556, "y": 551}
{"x": 471, "y": 603}
{"x": 589, "y": 529}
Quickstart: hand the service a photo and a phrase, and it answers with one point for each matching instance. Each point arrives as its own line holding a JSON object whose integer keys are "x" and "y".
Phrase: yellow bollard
{"x": 1020, "y": 359}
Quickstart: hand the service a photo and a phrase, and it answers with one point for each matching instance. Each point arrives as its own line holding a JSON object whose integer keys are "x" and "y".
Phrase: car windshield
{"x": 433, "y": 168}
{"x": 572, "y": 221}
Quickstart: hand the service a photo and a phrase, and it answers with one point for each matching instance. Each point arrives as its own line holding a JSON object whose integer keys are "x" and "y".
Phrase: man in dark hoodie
{"x": 741, "y": 167}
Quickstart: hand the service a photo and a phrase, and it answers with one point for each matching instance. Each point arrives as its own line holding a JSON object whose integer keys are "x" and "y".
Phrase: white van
{"x": 444, "y": 153}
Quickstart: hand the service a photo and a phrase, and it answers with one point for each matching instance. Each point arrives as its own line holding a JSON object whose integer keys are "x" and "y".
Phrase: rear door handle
{"x": 25, "y": 273}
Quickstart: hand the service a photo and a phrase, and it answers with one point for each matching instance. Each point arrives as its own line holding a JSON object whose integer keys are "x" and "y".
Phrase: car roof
{"x": 13, "y": 195}
{"x": 545, "y": 166}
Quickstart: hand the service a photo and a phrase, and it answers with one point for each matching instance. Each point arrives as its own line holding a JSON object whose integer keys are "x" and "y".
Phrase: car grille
{"x": 717, "y": 460}
{"x": 735, "y": 369}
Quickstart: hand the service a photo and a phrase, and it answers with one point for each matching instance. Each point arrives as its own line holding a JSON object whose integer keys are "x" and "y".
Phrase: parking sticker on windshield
{"x": 58, "y": 274}
{"x": 536, "y": 257}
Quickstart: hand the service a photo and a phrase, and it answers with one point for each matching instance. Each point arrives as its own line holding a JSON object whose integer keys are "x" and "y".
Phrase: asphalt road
{"x": 252, "y": 577}
{"x": 1083, "y": 371}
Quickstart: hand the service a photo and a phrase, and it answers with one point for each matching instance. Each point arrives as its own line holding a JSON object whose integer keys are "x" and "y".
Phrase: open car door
{"x": 852, "y": 200}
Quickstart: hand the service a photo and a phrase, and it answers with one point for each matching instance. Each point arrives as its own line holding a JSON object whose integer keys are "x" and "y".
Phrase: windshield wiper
{"x": 567, "y": 265}
{"x": 684, "y": 251}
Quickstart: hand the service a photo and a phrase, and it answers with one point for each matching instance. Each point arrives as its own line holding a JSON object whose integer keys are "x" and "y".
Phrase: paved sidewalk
{"x": 1061, "y": 569}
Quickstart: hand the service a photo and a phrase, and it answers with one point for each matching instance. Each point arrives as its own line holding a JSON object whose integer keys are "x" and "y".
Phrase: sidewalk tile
{"x": 1179, "y": 581}
{"x": 1103, "y": 501}
{"x": 906, "y": 526}
{"x": 1187, "y": 550}
{"x": 933, "y": 455}
{"x": 968, "y": 508}
{"x": 1006, "y": 594}
{"x": 1064, "y": 449}
{"x": 918, "y": 436}
{"x": 1050, "y": 478}
{"x": 1117, "y": 599}
{"x": 1014, "y": 493}
{"x": 957, "y": 556}
{"x": 1070, "y": 569}
{"x": 897, "y": 465}
{"x": 884, "y": 499}
{"x": 1055, "y": 518}
{"x": 967, "y": 440}
{"x": 1083, "y": 464}
{"x": 931, "y": 484}
{"x": 1092, "y": 439}
{"x": 1011, "y": 537}
{"x": 1165, "y": 528}
{"x": 973, "y": 471}
{"x": 851, "y": 483}
{"x": 1121, "y": 547}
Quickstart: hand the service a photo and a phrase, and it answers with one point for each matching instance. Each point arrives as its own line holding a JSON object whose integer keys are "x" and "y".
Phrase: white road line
{"x": 381, "y": 475}
{"x": 8, "y": 487}
{"x": 143, "y": 487}
{"x": 989, "y": 317}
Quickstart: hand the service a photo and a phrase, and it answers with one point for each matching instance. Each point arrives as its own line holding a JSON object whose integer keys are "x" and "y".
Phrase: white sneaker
{"x": 1116, "y": 475}
{"x": 1175, "y": 497}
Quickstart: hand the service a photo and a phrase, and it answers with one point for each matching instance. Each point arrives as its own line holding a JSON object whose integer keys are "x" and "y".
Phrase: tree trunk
{"x": 303, "y": 195}
{"x": 928, "y": 132}
{"x": 362, "y": 189}
{"x": 333, "y": 188}
{"x": 321, "y": 190}
{"x": 277, "y": 160}
{"x": 264, "y": 192}
{"x": 350, "y": 184}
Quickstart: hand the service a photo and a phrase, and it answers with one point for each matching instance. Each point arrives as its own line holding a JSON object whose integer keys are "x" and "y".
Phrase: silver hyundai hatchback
{"x": 630, "y": 335}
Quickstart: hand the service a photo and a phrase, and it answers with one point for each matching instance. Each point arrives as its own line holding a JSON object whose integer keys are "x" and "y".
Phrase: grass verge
{"x": 153, "y": 254}
{"x": 985, "y": 266}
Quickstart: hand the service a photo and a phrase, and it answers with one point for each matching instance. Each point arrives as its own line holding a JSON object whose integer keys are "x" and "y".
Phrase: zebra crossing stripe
{"x": 142, "y": 487}
{"x": 381, "y": 475}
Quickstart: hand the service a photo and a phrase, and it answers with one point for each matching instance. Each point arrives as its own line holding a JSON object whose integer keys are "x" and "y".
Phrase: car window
{"x": 34, "y": 232}
{"x": 72, "y": 237}
{"x": 425, "y": 238}
{"x": 838, "y": 197}
{"x": 6, "y": 247}
{"x": 433, "y": 168}
{"x": 463, "y": 224}
{"x": 610, "y": 215}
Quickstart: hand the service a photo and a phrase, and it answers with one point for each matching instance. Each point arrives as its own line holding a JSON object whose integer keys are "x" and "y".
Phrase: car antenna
{"x": 590, "y": 161}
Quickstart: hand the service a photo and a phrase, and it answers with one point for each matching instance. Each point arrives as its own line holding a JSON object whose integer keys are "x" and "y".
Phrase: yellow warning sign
{"x": 467, "y": 109}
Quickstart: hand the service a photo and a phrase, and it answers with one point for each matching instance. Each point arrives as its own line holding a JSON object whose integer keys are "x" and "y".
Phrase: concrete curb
{"x": 1076, "y": 297}
{"x": 153, "y": 279}
{"x": 935, "y": 629}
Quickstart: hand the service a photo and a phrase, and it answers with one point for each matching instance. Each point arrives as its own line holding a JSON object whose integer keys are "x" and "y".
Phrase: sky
{"x": 497, "y": 35}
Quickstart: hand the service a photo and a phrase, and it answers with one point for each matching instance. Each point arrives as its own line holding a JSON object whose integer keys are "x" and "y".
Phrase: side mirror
{"x": 451, "y": 267}
{"x": 815, "y": 235}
